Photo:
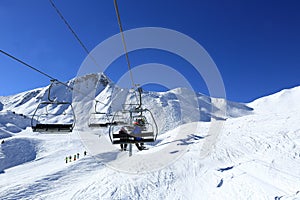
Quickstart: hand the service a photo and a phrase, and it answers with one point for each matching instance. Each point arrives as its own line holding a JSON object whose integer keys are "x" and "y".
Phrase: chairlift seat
{"x": 52, "y": 128}
{"x": 99, "y": 125}
{"x": 124, "y": 138}
{"x": 105, "y": 124}
{"x": 118, "y": 123}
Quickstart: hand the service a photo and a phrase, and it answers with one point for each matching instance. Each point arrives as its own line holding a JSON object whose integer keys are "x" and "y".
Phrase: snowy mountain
{"x": 228, "y": 151}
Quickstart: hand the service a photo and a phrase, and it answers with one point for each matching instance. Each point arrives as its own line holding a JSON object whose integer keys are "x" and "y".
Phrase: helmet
{"x": 139, "y": 122}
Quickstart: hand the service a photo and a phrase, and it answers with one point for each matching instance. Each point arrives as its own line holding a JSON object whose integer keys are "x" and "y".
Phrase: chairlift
{"x": 119, "y": 119}
{"x": 53, "y": 116}
{"x": 99, "y": 119}
{"x": 104, "y": 119}
{"x": 134, "y": 112}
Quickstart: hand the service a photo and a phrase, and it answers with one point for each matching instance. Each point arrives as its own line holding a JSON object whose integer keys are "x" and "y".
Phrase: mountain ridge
{"x": 103, "y": 90}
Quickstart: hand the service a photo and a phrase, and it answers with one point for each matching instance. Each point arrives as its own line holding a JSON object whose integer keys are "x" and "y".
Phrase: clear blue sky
{"x": 255, "y": 44}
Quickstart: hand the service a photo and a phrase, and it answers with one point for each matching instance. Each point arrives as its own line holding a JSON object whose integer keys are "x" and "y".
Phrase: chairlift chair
{"x": 45, "y": 118}
{"x": 148, "y": 133}
{"x": 134, "y": 112}
{"x": 99, "y": 119}
{"x": 104, "y": 119}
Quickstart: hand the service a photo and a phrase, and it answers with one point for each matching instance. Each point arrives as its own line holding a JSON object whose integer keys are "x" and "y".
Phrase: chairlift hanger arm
{"x": 140, "y": 90}
{"x": 155, "y": 124}
{"x": 49, "y": 90}
{"x": 124, "y": 43}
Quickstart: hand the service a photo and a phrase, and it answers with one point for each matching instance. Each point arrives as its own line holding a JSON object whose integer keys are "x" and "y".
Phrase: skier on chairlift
{"x": 138, "y": 124}
{"x": 123, "y": 146}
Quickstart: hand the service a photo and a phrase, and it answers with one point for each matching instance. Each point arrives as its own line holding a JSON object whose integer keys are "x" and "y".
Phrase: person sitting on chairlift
{"x": 123, "y": 146}
{"x": 138, "y": 124}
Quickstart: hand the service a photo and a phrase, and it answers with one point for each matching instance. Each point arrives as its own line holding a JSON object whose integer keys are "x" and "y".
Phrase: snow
{"x": 250, "y": 152}
{"x": 16, "y": 151}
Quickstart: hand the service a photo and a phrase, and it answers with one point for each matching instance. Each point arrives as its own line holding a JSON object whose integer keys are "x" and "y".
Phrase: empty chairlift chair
{"x": 98, "y": 118}
{"x": 105, "y": 119}
{"x": 53, "y": 116}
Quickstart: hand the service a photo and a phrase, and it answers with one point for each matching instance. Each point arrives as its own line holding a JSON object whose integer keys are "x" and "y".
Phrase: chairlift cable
{"x": 73, "y": 32}
{"x": 76, "y": 36}
{"x": 85, "y": 48}
{"x": 69, "y": 27}
{"x": 45, "y": 74}
{"x": 124, "y": 43}
{"x": 31, "y": 67}
{"x": 148, "y": 136}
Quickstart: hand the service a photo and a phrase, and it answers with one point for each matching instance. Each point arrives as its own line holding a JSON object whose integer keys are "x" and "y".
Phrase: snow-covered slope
{"x": 284, "y": 101}
{"x": 255, "y": 156}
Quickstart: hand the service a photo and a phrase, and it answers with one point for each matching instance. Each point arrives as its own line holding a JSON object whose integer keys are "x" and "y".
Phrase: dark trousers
{"x": 123, "y": 146}
{"x": 139, "y": 146}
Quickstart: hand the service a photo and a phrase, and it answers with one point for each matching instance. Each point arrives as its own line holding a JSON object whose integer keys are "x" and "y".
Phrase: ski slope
{"x": 256, "y": 154}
